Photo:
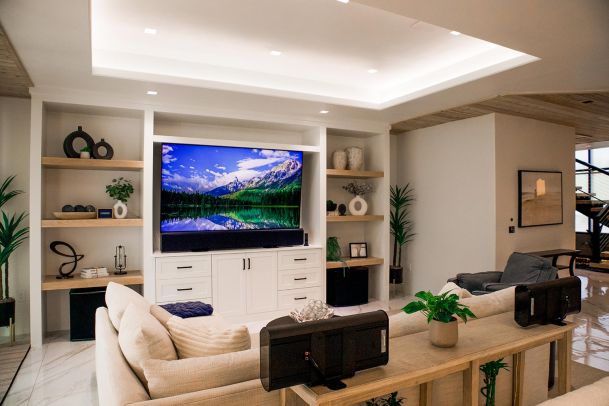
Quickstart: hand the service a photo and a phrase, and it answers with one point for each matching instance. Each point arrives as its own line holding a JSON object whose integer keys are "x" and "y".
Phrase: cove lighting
{"x": 152, "y": 92}
{"x": 372, "y": 71}
{"x": 455, "y": 33}
{"x": 343, "y": 1}
{"x": 275, "y": 53}
{"x": 324, "y": 111}
{"x": 150, "y": 31}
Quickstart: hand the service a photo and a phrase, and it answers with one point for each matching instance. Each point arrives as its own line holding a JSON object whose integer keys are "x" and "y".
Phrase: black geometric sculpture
{"x": 75, "y": 258}
{"x": 68, "y": 143}
{"x": 109, "y": 152}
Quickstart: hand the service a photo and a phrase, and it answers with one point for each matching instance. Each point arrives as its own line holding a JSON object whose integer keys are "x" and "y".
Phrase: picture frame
{"x": 358, "y": 250}
{"x": 540, "y": 200}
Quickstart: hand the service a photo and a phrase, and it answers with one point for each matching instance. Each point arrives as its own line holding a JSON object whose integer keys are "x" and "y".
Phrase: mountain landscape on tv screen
{"x": 206, "y": 188}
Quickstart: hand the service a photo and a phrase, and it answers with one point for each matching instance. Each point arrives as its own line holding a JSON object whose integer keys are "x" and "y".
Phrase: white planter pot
{"x": 358, "y": 206}
{"x": 444, "y": 335}
{"x": 119, "y": 210}
{"x": 85, "y": 155}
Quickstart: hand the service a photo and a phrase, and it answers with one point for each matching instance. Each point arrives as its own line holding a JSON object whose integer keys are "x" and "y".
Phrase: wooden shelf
{"x": 50, "y": 282}
{"x": 347, "y": 219}
{"x": 91, "y": 164}
{"x": 92, "y": 223}
{"x": 355, "y": 262}
{"x": 345, "y": 173}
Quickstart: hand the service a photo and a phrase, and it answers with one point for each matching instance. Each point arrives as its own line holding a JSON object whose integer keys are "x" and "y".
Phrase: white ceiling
{"x": 327, "y": 49}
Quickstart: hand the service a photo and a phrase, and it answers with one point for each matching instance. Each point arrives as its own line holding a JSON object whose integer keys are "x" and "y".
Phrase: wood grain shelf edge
{"x": 91, "y": 164}
{"x": 92, "y": 223}
{"x": 345, "y": 219}
{"x": 50, "y": 282}
{"x": 350, "y": 174}
{"x": 355, "y": 262}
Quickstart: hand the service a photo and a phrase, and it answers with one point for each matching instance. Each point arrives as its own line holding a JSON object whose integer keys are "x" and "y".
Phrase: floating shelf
{"x": 50, "y": 282}
{"x": 345, "y": 173}
{"x": 90, "y": 223}
{"x": 351, "y": 219}
{"x": 91, "y": 164}
{"x": 355, "y": 262}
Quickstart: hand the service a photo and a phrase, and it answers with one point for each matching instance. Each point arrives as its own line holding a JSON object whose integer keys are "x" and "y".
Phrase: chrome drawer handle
{"x": 183, "y": 289}
{"x": 300, "y": 279}
{"x": 300, "y": 298}
{"x": 185, "y": 267}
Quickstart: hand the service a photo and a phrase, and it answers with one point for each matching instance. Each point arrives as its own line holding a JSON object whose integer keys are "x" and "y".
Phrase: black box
{"x": 83, "y": 304}
{"x": 348, "y": 287}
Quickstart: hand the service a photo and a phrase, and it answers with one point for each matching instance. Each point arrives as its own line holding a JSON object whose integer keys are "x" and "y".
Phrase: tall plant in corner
{"x": 401, "y": 227}
{"x": 12, "y": 235}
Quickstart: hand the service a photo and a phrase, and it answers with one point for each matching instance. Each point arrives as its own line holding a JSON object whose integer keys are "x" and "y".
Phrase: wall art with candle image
{"x": 539, "y": 198}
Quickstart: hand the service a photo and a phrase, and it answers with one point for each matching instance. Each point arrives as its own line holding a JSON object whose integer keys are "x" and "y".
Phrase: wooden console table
{"x": 554, "y": 254}
{"x": 414, "y": 361}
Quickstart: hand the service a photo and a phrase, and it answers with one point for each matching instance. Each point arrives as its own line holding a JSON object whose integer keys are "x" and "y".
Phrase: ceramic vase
{"x": 355, "y": 158}
{"x": 119, "y": 210}
{"x": 444, "y": 335}
{"x": 339, "y": 159}
{"x": 358, "y": 206}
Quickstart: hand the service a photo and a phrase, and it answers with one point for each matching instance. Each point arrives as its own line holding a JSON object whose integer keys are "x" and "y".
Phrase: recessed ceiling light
{"x": 324, "y": 111}
{"x": 151, "y": 31}
{"x": 455, "y": 33}
{"x": 152, "y": 92}
{"x": 372, "y": 70}
{"x": 275, "y": 53}
{"x": 343, "y": 1}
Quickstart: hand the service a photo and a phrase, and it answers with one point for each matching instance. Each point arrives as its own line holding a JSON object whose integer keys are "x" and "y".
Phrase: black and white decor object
{"x": 71, "y": 254}
{"x": 103, "y": 150}
{"x": 358, "y": 250}
{"x": 120, "y": 260}
{"x": 68, "y": 143}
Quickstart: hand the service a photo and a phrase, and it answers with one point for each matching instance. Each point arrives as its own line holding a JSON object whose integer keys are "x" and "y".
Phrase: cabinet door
{"x": 261, "y": 282}
{"x": 229, "y": 281}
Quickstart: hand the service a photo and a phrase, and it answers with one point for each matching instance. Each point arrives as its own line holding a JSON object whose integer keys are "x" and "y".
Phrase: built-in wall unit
{"x": 243, "y": 282}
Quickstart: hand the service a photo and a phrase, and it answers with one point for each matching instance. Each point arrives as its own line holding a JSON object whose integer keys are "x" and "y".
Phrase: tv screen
{"x": 215, "y": 188}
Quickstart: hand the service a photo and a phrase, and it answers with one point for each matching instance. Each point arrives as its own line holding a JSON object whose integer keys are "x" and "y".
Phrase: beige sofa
{"x": 118, "y": 385}
{"x": 596, "y": 394}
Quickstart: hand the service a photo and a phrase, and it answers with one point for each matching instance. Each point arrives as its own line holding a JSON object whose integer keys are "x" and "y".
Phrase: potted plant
{"x": 120, "y": 190}
{"x": 85, "y": 153}
{"x": 401, "y": 228}
{"x": 440, "y": 311}
{"x": 358, "y": 206}
{"x": 12, "y": 235}
{"x": 331, "y": 208}
{"x": 490, "y": 370}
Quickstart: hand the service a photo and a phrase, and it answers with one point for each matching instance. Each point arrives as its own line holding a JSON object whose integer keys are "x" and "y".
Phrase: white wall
{"x": 451, "y": 167}
{"x": 523, "y": 143}
{"x": 14, "y": 160}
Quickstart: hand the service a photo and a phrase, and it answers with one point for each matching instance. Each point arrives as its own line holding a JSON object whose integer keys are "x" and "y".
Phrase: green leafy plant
{"x": 85, "y": 149}
{"x": 333, "y": 252}
{"x": 120, "y": 189}
{"x": 330, "y": 205}
{"x": 400, "y": 224}
{"x": 443, "y": 307}
{"x": 491, "y": 370}
{"x": 12, "y": 235}
{"x": 391, "y": 400}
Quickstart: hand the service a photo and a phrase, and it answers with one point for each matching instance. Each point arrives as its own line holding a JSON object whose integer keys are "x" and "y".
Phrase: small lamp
{"x": 120, "y": 261}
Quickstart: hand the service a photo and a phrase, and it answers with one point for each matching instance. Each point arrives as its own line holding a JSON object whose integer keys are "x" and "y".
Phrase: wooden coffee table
{"x": 414, "y": 361}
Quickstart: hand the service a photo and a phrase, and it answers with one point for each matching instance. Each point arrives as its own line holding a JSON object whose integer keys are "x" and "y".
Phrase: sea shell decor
{"x": 314, "y": 310}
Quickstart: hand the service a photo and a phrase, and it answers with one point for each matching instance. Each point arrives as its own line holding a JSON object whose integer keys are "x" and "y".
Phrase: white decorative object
{"x": 85, "y": 155}
{"x": 120, "y": 210}
{"x": 339, "y": 159}
{"x": 314, "y": 310}
{"x": 355, "y": 158}
{"x": 358, "y": 206}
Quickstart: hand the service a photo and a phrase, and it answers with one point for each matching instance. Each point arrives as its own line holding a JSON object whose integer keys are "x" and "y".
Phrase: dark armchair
{"x": 520, "y": 269}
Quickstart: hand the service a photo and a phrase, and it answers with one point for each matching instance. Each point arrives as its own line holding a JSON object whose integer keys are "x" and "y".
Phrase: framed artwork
{"x": 358, "y": 250}
{"x": 539, "y": 198}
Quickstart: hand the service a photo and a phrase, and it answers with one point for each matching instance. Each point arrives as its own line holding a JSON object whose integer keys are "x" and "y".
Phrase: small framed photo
{"x": 358, "y": 250}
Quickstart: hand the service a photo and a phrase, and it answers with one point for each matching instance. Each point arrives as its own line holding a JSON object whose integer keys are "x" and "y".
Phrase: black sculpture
{"x": 75, "y": 258}
{"x": 109, "y": 153}
{"x": 68, "y": 144}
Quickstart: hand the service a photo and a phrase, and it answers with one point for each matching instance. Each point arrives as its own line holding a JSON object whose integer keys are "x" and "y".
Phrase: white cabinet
{"x": 229, "y": 283}
{"x": 261, "y": 280}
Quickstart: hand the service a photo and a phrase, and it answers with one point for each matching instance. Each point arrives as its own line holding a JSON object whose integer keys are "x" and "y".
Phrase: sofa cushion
{"x": 202, "y": 338}
{"x": 491, "y": 304}
{"x": 118, "y": 298}
{"x": 160, "y": 314}
{"x": 525, "y": 268}
{"x": 596, "y": 394}
{"x": 456, "y": 289}
{"x": 142, "y": 337}
{"x": 171, "y": 378}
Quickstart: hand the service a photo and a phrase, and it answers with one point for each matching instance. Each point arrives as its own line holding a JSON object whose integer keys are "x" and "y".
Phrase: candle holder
{"x": 120, "y": 260}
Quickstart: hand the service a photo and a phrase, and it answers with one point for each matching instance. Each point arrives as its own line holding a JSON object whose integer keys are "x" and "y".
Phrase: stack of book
{"x": 88, "y": 273}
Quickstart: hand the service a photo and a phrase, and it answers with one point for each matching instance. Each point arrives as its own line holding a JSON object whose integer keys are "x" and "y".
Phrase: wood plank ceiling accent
{"x": 14, "y": 79}
{"x": 587, "y": 112}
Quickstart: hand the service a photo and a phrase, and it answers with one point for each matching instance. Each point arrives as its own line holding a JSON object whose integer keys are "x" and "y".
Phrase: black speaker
{"x": 230, "y": 239}
{"x": 347, "y": 287}
{"x": 83, "y": 304}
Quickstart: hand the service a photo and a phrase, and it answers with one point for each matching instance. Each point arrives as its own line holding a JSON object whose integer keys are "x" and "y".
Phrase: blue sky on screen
{"x": 201, "y": 168}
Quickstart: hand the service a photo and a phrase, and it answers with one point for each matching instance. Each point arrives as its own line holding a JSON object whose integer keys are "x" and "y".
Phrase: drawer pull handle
{"x": 300, "y": 279}
{"x": 183, "y": 289}
{"x": 300, "y": 298}
{"x": 300, "y": 259}
{"x": 185, "y": 267}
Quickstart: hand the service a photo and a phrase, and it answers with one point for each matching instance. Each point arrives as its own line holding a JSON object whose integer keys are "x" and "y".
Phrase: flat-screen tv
{"x": 216, "y": 197}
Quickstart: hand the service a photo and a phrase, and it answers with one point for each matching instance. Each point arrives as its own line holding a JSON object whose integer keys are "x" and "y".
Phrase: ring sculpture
{"x": 73, "y": 255}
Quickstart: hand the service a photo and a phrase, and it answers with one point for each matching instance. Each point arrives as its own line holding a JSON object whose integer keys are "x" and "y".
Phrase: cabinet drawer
{"x": 296, "y": 278}
{"x": 183, "y": 289}
{"x": 300, "y": 259}
{"x": 297, "y": 298}
{"x": 183, "y": 267}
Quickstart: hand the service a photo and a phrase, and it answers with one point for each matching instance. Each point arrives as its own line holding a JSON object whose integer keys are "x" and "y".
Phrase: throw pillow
{"x": 118, "y": 297}
{"x": 141, "y": 337}
{"x": 202, "y": 339}
{"x": 456, "y": 289}
{"x": 160, "y": 314}
{"x": 492, "y": 303}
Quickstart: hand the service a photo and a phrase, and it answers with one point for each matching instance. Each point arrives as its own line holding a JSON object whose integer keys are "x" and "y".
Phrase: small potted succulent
{"x": 120, "y": 190}
{"x": 358, "y": 206}
{"x": 85, "y": 152}
{"x": 331, "y": 208}
{"x": 440, "y": 311}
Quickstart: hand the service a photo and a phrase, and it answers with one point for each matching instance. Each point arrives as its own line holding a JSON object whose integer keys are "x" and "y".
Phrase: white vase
{"x": 355, "y": 158}
{"x": 119, "y": 210}
{"x": 339, "y": 159}
{"x": 358, "y": 206}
